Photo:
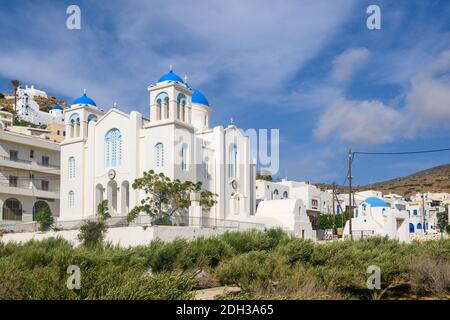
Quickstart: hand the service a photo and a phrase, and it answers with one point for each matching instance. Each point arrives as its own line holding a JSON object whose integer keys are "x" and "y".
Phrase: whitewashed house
{"x": 28, "y": 109}
{"x": 375, "y": 217}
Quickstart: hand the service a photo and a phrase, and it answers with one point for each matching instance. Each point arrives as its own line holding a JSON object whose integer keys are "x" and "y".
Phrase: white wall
{"x": 123, "y": 236}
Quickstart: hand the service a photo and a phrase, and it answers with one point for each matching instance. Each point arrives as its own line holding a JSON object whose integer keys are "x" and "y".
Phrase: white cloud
{"x": 369, "y": 122}
{"x": 428, "y": 101}
{"x": 426, "y": 109}
{"x": 347, "y": 63}
{"x": 235, "y": 48}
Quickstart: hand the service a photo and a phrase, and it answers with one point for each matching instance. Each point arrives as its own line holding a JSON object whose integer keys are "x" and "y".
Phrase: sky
{"x": 311, "y": 69}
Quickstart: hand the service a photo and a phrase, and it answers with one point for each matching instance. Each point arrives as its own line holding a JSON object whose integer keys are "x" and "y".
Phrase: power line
{"x": 401, "y": 152}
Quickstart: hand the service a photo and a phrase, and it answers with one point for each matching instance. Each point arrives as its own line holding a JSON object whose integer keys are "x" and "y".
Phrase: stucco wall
{"x": 123, "y": 236}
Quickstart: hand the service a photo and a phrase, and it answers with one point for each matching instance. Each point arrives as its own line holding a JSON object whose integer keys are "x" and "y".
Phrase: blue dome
{"x": 57, "y": 107}
{"x": 171, "y": 76}
{"x": 198, "y": 97}
{"x": 84, "y": 99}
{"x": 376, "y": 202}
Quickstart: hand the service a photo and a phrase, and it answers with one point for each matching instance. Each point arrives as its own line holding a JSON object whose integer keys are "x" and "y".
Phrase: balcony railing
{"x": 16, "y": 160}
{"x": 41, "y": 164}
{"x": 28, "y": 185}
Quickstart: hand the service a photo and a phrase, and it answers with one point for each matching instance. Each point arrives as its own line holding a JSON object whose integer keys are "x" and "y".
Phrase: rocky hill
{"x": 436, "y": 179}
{"x": 44, "y": 103}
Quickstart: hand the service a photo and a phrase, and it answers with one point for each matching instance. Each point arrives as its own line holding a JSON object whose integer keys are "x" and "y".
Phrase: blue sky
{"x": 309, "y": 68}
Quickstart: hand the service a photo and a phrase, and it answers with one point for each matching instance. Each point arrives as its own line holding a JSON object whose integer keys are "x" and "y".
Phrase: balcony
{"x": 30, "y": 188}
{"x": 23, "y": 164}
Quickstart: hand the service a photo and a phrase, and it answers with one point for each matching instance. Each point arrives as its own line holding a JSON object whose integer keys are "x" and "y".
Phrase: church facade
{"x": 103, "y": 153}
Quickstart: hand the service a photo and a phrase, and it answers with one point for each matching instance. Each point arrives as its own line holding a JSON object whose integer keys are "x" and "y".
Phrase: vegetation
{"x": 166, "y": 196}
{"x": 92, "y": 233}
{"x": 45, "y": 219}
{"x": 266, "y": 177}
{"x": 268, "y": 265}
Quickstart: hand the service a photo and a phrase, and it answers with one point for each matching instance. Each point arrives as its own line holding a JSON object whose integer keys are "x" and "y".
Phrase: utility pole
{"x": 334, "y": 208}
{"x": 350, "y": 202}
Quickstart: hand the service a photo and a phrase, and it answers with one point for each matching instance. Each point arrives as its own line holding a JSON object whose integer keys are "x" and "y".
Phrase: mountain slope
{"x": 436, "y": 179}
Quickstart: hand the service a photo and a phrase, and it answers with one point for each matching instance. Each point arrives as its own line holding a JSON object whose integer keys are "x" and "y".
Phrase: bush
{"x": 45, "y": 219}
{"x": 296, "y": 251}
{"x": 92, "y": 233}
{"x": 246, "y": 241}
{"x": 250, "y": 271}
{"x": 202, "y": 253}
{"x": 162, "y": 221}
{"x": 430, "y": 276}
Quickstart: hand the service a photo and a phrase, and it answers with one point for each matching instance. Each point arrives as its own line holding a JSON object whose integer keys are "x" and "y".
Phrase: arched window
{"x": 92, "y": 117}
{"x": 285, "y": 195}
{"x": 166, "y": 108}
{"x": 275, "y": 193}
{"x": 206, "y": 167}
{"x": 184, "y": 157}
{"x": 74, "y": 119}
{"x": 71, "y": 167}
{"x": 419, "y": 226}
{"x": 113, "y": 148}
{"x": 160, "y": 99}
{"x": 71, "y": 198}
{"x": 232, "y": 166}
{"x": 12, "y": 209}
{"x": 159, "y": 155}
{"x": 181, "y": 103}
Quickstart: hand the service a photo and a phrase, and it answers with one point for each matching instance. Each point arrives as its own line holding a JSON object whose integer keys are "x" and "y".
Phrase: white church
{"x": 28, "y": 109}
{"x": 103, "y": 153}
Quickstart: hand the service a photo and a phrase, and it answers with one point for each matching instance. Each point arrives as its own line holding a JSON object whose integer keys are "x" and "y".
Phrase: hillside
{"x": 44, "y": 103}
{"x": 436, "y": 179}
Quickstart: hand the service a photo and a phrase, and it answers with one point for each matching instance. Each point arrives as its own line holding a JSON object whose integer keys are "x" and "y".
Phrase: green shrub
{"x": 204, "y": 253}
{"x": 297, "y": 250}
{"x": 250, "y": 271}
{"x": 162, "y": 221}
{"x": 246, "y": 241}
{"x": 92, "y": 233}
{"x": 45, "y": 219}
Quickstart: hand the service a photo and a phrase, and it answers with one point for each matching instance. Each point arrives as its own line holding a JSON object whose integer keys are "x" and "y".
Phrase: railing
{"x": 41, "y": 164}
{"x": 28, "y": 185}
{"x": 361, "y": 234}
{"x": 16, "y": 160}
{"x": 47, "y": 165}
{"x": 121, "y": 221}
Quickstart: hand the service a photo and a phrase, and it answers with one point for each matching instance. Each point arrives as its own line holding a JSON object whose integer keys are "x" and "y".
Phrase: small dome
{"x": 198, "y": 97}
{"x": 376, "y": 202}
{"x": 57, "y": 107}
{"x": 84, "y": 100}
{"x": 171, "y": 76}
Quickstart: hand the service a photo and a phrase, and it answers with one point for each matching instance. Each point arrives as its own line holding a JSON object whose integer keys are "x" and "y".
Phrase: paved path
{"x": 211, "y": 293}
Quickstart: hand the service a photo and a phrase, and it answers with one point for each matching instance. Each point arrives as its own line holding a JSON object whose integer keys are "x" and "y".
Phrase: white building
{"x": 103, "y": 153}
{"x": 29, "y": 176}
{"x": 374, "y": 216}
{"x": 315, "y": 200}
{"x": 28, "y": 109}
{"x": 6, "y": 119}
